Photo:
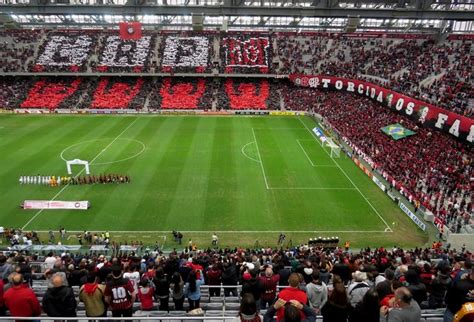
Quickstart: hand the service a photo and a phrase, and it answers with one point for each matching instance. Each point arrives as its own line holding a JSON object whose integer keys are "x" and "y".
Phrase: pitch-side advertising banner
{"x": 55, "y": 204}
{"x": 428, "y": 115}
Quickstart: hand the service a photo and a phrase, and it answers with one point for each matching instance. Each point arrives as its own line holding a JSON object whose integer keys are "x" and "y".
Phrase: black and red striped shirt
{"x": 121, "y": 291}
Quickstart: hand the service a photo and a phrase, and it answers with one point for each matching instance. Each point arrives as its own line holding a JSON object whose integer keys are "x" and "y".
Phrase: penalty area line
{"x": 352, "y": 182}
{"x": 92, "y": 161}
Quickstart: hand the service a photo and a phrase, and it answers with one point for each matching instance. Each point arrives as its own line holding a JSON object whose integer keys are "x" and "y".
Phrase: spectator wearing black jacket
{"x": 251, "y": 284}
{"x": 59, "y": 301}
{"x": 162, "y": 289}
{"x": 229, "y": 278}
{"x": 458, "y": 294}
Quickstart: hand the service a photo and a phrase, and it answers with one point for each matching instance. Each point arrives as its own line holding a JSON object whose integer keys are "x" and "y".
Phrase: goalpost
{"x": 77, "y": 162}
{"x": 333, "y": 147}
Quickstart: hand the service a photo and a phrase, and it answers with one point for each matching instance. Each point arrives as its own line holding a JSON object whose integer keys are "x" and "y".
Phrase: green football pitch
{"x": 245, "y": 178}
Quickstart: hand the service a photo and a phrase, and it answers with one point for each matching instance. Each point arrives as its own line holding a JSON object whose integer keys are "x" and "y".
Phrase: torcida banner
{"x": 428, "y": 115}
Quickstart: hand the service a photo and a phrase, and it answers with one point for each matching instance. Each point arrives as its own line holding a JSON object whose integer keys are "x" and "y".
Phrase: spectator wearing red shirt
{"x": 21, "y": 300}
{"x": 145, "y": 294}
{"x": 292, "y": 293}
{"x": 214, "y": 281}
{"x": 269, "y": 282}
{"x": 120, "y": 294}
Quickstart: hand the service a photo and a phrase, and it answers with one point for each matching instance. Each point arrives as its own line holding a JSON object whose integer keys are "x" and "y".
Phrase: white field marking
{"x": 278, "y": 128}
{"x": 307, "y": 156}
{"x": 345, "y": 174}
{"x": 310, "y": 161}
{"x": 310, "y": 188}
{"x": 225, "y": 231}
{"x": 260, "y": 158}
{"x": 92, "y": 161}
{"x": 110, "y": 162}
{"x": 246, "y": 155}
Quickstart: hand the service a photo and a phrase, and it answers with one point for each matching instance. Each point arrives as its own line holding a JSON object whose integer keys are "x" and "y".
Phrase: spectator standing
{"x": 193, "y": 289}
{"x": 229, "y": 278}
{"x": 458, "y": 294}
{"x": 293, "y": 292}
{"x": 417, "y": 289}
{"x": 406, "y": 309}
{"x": 293, "y": 311}
{"x": 357, "y": 289}
{"x": 120, "y": 294}
{"x": 3, "y": 310}
{"x": 59, "y": 301}
{"x": 439, "y": 286}
{"x": 269, "y": 282}
{"x": 214, "y": 275}
{"x": 251, "y": 283}
{"x": 92, "y": 294}
{"x": 20, "y": 300}
{"x": 368, "y": 310}
{"x": 133, "y": 275}
{"x": 248, "y": 310}
{"x": 162, "y": 289}
{"x": 337, "y": 307}
{"x": 177, "y": 291}
{"x": 5, "y": 268}
{"x": 317, "y": 292}
{"x": 145, "y": 294}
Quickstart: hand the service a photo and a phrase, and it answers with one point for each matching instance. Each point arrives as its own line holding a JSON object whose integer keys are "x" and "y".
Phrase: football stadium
{"x": 224, "y": 160}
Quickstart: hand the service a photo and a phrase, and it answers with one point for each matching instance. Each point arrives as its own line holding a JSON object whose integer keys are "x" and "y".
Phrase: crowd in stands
{"x": 442, "y": 182}
{"x": 66, "y": 51}
{"x": 247, "y": 93}
{"x": 17, "y": 47}
{"x": 439, "y": 73}
{"x": 246, "y": 53}
{"x": 139, "y": 93}
{"x": 341, "y": 285}
{"x": 187, "y": 52}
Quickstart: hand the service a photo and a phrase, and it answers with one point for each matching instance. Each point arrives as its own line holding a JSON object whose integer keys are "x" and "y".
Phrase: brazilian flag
{"x": 397, "y": 131}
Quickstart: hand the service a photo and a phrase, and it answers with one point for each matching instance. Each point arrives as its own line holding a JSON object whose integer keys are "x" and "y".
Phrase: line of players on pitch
{"x": 54, "y": 181}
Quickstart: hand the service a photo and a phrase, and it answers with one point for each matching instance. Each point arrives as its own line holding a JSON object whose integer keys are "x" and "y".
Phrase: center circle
{"x": 91, "y": 149}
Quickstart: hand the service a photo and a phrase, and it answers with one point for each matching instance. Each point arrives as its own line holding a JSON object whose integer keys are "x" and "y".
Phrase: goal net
{"x": 335, "y": 150}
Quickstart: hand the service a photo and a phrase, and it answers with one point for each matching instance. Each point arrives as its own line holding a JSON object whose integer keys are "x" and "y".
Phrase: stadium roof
{"x": 330, "y": 15}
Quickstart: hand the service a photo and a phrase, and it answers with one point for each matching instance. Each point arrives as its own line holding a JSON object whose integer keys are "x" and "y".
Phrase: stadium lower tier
{"x": 140, "y": 93}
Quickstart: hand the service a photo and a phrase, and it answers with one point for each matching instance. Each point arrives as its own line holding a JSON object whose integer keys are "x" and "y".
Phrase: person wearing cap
{"x": 293, "y": 292}
{"x": 59, "y": 300}
{"x": 405, "y": 309}
{"x": 120, "y": 294}
{"x": 358, "y": 288}
{"x": 20, "y": 299}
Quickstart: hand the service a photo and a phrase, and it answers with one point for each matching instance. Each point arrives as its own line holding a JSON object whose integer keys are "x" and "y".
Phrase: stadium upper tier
{"x": 436, "y": 72}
